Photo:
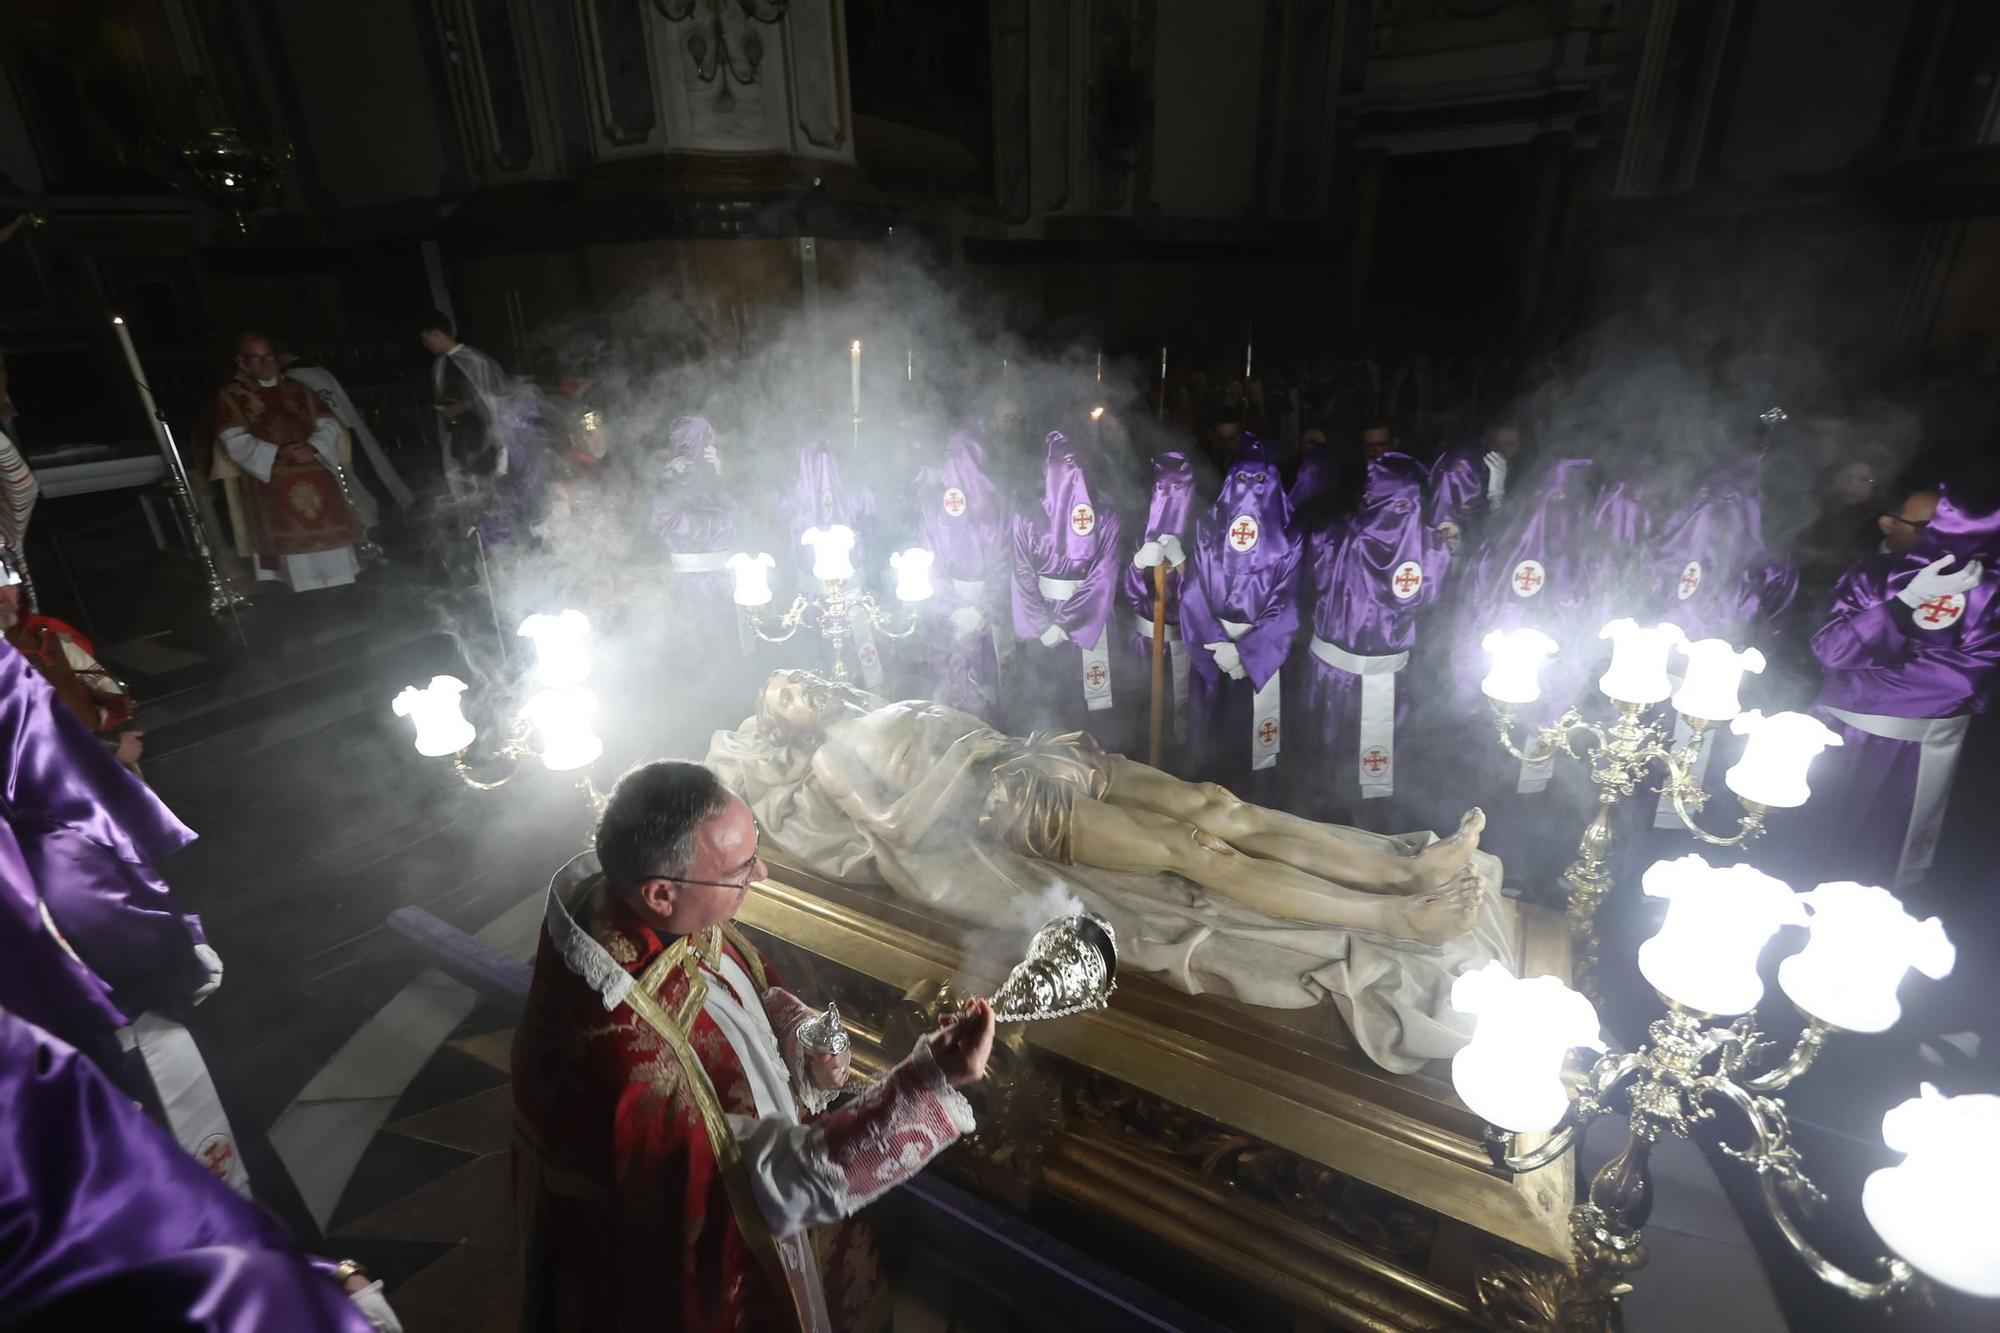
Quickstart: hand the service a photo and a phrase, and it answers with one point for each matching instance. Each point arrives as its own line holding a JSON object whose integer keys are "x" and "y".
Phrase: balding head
{"x": 1903, "y": 525}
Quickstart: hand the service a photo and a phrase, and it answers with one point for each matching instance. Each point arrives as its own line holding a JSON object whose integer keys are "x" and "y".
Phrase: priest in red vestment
{"x": 302, "y": 531}
{"x": 674, "y": 1165}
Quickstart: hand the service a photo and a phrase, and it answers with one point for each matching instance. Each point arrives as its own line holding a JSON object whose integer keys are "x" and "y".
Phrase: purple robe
{"x": 1243, "y": 570}
{"x": 1708, "y": 569}
{"x": 1167, "y": 514}
{"x": 963, "y": 522}
{"x": 111, "y": 1225}
{"x": 1899, "y": 685}
{"x": 1069, "y": 540}
{"x": 81, "y": 836}
{"x": 820, "y": 498}
{"x": 1371, "y": 576}
{"x": 694, "y": 519}
{"x": 1457, "y": 495}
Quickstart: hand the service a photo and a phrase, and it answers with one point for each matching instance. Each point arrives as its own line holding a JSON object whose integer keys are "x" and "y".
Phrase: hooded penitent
{"x": 820, "y": 499}
{"x": 962, "y": 520}
{"x": 1239, "y": 614}
{"x": 1457, "y": 495}
{"x": 1900, "y": 684}
{"x": 1371, "y": 575}
{"x": 1709, "y": 571}
{"x": 1066, "y": 561}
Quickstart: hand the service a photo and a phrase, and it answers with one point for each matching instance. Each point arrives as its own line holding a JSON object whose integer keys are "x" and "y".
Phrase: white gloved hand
{"x": 374, "y": 1307}
{"x": 1228, "y": 659}
{"x": 1496, "y": 476}
{"x": 968, "y": 621}
{"x": 1931, "y": 581}
{"x": 712, "y": 458}
{"x": 1148, "y": 555}
{"x": 1054, "y": 635}
{"x": 1170, "y": 547}
{"x": 211, "y": 963}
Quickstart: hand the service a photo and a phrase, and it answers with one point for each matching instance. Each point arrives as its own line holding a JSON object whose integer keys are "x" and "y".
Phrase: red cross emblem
{"x": 954, "y": 501}
{"x": 1243, "y": 533}
{"x": 868, "y": 654}
{"x": 1690, "y": 579}
{"x": 216, "y": 1153}
{"x": 1940, "y": 612}
{"x": 1082, "y": 519}
{"x": 1409, "y": 577}
{"x": 1374, "y": 759}
{"x": 1267, "y": 732}
{"x": 1096, "y": 676}
{"x": 1452, "y": 536}
{"x": 1529, "y": 578}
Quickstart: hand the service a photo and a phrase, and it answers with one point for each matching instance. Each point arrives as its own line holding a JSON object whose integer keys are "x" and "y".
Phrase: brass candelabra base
{"x": 834, "y": 613}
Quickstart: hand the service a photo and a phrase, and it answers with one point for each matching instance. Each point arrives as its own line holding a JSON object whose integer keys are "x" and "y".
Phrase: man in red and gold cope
{"x": 676, "y": 1163}
{"x": 280, "y": 435}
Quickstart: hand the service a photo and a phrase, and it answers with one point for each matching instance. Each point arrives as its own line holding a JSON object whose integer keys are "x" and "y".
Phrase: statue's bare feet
{"x": 1441, "y": 862}
{"x": 1435, "y": 918}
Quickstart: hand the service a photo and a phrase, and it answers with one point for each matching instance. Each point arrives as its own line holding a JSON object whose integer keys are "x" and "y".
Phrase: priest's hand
{"x": 964, "y": 1043}
{"x": 298, "y": 453}
{"x": 1054, "y": 635}
{"x": 828, "y": 1069}
{"x": 1931, "y": 581}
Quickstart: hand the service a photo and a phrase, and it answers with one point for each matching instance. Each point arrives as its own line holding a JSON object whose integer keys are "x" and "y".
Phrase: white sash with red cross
{"x": 187, "y": 1094}
{"x": 1096, "y": 661}
{"x": 1375, "y": 746}
{"x": 1266, "y": 721}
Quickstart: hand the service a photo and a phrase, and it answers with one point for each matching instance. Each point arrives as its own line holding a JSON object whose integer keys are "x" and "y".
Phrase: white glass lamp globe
{"x": 563, "y": 717}
{"x": 435, "y": 709}
{"x": 1940, "y": 1207}
{"x": 753, "y": 577}
{"x": 1862, "y": 944}
{"x": 1704, "y": 956}
{"x": 1510, "y": 1073}
{"x": 1638, "y": 671}
{"x": 1517, "y": 656}
{"x": 832, "y": 550}
{"x": 913, "y": 574}
{"x": 1781, "y": 748}
{"x": 562, "y": 647}
{"x": 1714, "y": 674}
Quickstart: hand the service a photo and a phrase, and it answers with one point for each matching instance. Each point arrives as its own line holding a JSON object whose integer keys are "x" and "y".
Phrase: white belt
{"x": 1266, "y": 723}
{"x": 1375, "y": 743}
{"x": 1937, "y": 761}
{"x": 1058, "y": 590}
{"x": 1144, "y": 624}
{"x": 969, "y": 590}
{"x": 698, "y": 562}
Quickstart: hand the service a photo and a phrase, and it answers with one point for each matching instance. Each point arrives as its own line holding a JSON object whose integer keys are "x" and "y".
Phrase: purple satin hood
{"x": 819, "y": 498}
{"x": 1244, "y": 567}
{"x": 1622, "y": 519}
{"x": 1072, "y": 514}
{"x": 1173, "y": 493}
{"x": 1710, "y": 571}
{"x": 688, "y": 436}
{"x": 1458, "y": 486}
{"x": 961, "y": 517}
{"x": 1953, "y": 531}
{"x": 111, "y": 1224}
{"x": 1355, "y": 563}
{"x": 1550, "y": 527}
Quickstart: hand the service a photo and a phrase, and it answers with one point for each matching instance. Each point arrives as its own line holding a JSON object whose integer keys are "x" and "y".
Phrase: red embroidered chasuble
{"x": 300, "y": 509}
{"x": 625, "y": 1222}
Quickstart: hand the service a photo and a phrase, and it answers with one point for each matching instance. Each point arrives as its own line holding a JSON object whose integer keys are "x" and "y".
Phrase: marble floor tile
{"x": 382, "y": 1058}
{"x": 320, "y": 1142}
{"x": 482, "y": 1123}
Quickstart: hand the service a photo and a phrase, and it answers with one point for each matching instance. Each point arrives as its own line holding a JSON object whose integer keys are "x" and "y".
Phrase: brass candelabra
{"x": 833, "y": 612}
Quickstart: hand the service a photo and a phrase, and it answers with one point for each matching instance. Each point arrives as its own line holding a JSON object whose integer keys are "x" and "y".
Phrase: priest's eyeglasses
{"x": 749, "y": 874}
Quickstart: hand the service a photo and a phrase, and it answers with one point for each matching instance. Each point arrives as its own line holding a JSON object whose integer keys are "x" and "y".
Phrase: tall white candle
{"x": 854, "y": 366}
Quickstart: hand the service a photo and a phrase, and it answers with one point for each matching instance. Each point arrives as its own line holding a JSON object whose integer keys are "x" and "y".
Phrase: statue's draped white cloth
{"x": 1393, "y": 994}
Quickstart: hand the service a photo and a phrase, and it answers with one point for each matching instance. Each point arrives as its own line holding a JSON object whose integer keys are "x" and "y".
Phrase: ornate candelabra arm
{"x": 1803, "y": 1054}
{"x": 1749, "y": 826}
{"x": 794, "y": 616}
{"x": 1589, "y": 1103}
{"x": 1546, "y": 740}
{"x": 513, "y": 751}
{"x": 881, "y": 619}
{"x": 1781, "y": 1180}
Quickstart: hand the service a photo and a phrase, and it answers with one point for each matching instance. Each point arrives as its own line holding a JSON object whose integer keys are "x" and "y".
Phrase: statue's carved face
{"x": 798, "y": 699}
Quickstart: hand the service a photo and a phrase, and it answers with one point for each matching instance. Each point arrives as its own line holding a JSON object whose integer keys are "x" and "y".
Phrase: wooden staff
{"x": 1159, "y": 661}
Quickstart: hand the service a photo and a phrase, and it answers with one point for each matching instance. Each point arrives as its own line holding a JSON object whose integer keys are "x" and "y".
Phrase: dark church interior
{"x": 1000, "y": 665}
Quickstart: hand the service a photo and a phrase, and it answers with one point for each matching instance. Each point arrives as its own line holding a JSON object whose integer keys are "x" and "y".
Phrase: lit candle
{"x": 854, "y": 370}
{"x": 1772, "y": 771}
{"x": 1638, "y": 672}
{"x": 441, "y": 727}
{"x": 562, "y": 716}
{"x": 1510, "y": 1073}
{"x": 1518, "y": 655}
{"x": 1100, "y": 365}
{"x": 753, "y": 577}
{"x": 1714, "y": 673}
{"x": 1704, "y": 955}
{"x": 1939, "y": 1207}
{"x": 909, "y": 365}
{"x": 562, "y": 653}
{"x": 913, "y": 574}
{"x": 831, "y": 548}
{"x": 1862, "y": 944}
